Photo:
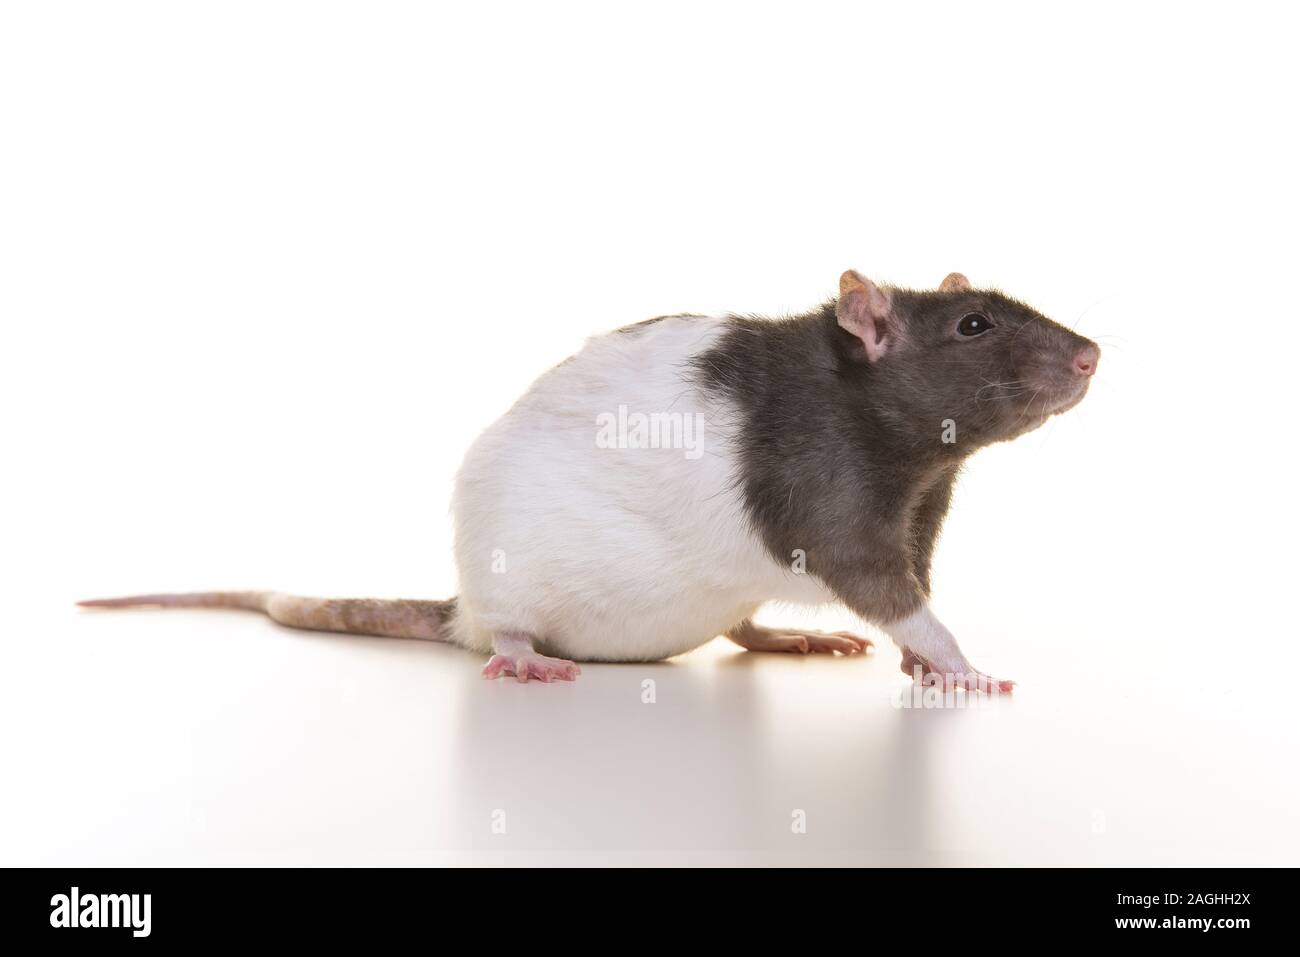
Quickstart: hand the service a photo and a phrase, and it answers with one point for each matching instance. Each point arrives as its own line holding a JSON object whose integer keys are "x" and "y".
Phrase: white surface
{"x": 266, "y": 269}
{"x": 220, "y": 739}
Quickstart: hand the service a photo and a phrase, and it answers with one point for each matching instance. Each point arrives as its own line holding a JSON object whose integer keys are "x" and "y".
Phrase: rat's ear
{"x": 954, "y": 282}
{"x": 867, "y": 311}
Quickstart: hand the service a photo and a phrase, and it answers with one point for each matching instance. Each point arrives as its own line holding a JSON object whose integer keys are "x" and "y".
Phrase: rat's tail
{"x": 354, "y": 616}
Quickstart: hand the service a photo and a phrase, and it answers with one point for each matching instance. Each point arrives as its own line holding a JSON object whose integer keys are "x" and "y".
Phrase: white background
{"x": 266, "y": 269}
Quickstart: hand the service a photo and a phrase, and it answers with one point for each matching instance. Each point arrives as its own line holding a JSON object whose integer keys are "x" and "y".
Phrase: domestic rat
{"x": 653, "y": 491}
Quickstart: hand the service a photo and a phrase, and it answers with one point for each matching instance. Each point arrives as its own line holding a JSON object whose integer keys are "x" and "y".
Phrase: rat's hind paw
{"x": 756, "y": 638}
{"x": 531, "y": 665}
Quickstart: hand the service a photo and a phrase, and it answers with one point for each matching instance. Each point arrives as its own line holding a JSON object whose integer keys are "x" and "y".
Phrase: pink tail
{"x": 251, "y": 600}
{"x": 355, "y": 616}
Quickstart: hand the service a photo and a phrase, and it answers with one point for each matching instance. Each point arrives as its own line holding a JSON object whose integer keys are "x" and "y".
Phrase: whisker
{"x": 1028, "y": 405}
{"x": 1013, "y": 387}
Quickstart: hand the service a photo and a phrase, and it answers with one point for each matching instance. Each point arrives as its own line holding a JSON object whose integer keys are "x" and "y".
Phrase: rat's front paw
{"x": 923, "y": 672}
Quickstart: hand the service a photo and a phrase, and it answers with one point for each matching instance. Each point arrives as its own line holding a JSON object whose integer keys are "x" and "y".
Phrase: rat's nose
{"x": 1085, "y": 363}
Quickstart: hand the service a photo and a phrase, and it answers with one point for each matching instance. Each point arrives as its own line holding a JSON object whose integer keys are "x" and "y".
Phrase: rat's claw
{"x": 859, "y": 644}
{"x": 496, "y": 664}
{"x": 982, "y": 682}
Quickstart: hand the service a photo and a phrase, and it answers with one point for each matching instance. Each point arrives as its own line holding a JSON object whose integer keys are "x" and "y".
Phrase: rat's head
{"x": 972, "y": 365}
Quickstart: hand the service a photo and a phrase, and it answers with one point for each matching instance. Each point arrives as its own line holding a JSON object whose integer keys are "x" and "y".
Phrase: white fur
{"x": 612, "y": 554}
{"x": 925, "y": 635}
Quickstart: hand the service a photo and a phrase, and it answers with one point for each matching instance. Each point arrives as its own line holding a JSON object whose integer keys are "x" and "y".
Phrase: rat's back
{"x": 601, "y": 513}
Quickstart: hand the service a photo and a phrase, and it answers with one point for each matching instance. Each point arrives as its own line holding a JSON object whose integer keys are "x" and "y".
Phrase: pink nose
{"x": 1085, "y": 363}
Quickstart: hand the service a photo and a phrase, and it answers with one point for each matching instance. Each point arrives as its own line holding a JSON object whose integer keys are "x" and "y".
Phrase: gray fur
{"x": 846, "y": 459}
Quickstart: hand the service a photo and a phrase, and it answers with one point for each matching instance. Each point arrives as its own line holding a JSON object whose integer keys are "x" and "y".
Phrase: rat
{"x": 651, "y": 492}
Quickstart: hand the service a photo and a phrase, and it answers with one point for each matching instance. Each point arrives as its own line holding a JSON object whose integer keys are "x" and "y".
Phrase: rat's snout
{"x": 1085, "y": 360}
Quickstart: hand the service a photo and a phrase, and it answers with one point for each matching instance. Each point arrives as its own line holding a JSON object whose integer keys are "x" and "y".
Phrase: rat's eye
{"x": 973, "y": 324}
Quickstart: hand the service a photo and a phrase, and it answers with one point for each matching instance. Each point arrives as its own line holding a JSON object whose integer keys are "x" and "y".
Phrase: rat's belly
{"x": 682, "y": 623}
{"x": 597, "y": 593}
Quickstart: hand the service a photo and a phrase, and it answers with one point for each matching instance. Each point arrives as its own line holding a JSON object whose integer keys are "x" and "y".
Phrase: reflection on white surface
{"x": 272, "y": 746}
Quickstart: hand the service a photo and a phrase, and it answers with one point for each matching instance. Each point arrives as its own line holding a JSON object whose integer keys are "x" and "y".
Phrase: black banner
{"x": 1223, "y": 908}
